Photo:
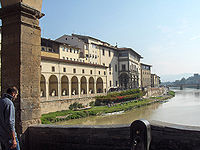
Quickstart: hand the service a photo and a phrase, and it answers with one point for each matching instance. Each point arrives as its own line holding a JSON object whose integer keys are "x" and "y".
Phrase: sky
{"x": 165, "y": 32}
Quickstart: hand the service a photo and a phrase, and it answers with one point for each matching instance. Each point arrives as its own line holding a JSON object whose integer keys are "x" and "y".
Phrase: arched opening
{"x": 74, "y": 85}
{"x": 42, "y": 86}
{"x": 53, "y": 86}
{"x": 124, "y": 80}
{"x": 83, "y": 85}
{"x": 91, "y": 85}
{"x": 64, "y": 86}
{"x": 99, "y": 85}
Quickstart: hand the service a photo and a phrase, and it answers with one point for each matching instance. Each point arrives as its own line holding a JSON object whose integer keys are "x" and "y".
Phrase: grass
{"x": 99, "y": 110}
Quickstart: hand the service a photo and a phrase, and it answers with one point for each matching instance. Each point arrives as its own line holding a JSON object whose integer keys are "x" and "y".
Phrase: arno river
{"x": 183, "y": 109}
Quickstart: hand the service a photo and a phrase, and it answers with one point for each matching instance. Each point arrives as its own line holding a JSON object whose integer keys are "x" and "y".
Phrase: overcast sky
{"x": 165, "y": 32}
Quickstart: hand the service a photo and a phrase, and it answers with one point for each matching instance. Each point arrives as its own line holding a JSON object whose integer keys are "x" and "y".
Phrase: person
{"x": 8, "y": 136}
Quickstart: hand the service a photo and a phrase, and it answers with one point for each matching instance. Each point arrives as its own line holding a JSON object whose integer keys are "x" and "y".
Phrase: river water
{"x": 183, "y": 109}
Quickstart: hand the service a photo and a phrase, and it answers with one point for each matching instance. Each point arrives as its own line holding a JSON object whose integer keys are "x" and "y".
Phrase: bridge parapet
{"x": 161, "y": 136}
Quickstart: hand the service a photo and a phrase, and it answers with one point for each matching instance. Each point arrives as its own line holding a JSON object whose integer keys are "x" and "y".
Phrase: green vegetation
{"x": 118, "y": 97}
{"x": 99, "y": 110}
{"x": 75, "y": 106}
{"x": 172, "y": 93}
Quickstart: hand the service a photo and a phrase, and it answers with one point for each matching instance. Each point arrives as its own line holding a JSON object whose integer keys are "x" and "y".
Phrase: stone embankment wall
{"x": 59, "y": 105}
{"x": 156, "y": 91}
{"x": 117, "y": 137}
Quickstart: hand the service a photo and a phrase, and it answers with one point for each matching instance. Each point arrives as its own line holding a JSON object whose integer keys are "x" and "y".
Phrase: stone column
{"x": 70, "y": 87}
{"x": 88, "y": 90}
{"x": 79, "y": 88}
{"x": 21, "y": 56}
{"x": 47, "y": 90}
{"x": 95, "y": 87}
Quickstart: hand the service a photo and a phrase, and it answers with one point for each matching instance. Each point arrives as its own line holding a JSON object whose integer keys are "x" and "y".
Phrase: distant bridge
{"x": 197, "y": 86}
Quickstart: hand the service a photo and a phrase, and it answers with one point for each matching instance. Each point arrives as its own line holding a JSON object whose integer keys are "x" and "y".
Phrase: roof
{"x": 129, "y": 49}
{"x": 145, "y": 64}
{"x": 111, "y": 47}
{"x": 61, "y": 43}
{"x": 83, "y": 37}
{"x": 72, "y": 62}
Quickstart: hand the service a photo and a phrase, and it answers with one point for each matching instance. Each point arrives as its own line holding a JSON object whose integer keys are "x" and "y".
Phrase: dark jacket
{"x": 7, "y": 117}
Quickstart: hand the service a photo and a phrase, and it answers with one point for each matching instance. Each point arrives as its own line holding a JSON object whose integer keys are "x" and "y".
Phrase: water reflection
{"x": 184, "y": 108}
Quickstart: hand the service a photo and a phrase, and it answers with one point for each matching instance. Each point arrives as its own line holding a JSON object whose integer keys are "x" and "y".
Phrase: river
{"x": 183, "y": 109}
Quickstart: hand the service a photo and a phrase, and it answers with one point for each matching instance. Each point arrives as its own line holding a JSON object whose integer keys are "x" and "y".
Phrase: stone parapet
{"x": 164, "y": 136}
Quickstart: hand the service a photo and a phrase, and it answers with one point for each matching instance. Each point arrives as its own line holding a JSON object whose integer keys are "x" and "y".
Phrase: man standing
{"x": 8, "y": 136}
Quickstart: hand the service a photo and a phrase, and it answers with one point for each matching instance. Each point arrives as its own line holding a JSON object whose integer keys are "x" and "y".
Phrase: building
{"x": 65, "y": 75}
{"x": 95, "y": 51}
{"x": 129, "y": 68}
{"x": 155, "y": 80}
{"x": 145, "y": 75}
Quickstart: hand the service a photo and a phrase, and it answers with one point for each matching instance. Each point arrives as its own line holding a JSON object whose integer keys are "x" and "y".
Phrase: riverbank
{"x": 101, "y": 110}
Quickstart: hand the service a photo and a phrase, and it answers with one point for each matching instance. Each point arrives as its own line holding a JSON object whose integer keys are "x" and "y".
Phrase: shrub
{"x": 92, "y": 103}
{"x": 75, "y": 106}
{"x": 118, "y": 97}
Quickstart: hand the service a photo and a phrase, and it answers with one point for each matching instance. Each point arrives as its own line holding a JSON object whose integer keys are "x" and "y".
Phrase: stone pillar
{"x": 59, "y": 88}
{"x": 88, "y": 90}
{"x": 47, "y": 90}
{"x": 95, "y": 87}
{"x": 79, "y": 88}
{"x": 21, "y": 56}
{"x": 70, "y": 87}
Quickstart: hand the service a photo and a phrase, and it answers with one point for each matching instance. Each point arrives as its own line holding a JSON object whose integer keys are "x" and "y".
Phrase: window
{"x": 53, "y": 69}
{"x": 116, "y": 83}
{"x": 123, "y": 54}
{"x": 115, "y": 68}
{"x": 43, "y": 49}
{"x": 110, "y": 83}
{"x": 66, "y": 49}
{"x": 99, "y": 72}
{"x": 123, "y": 67}
{"x": 109, "y": 67}
{"x": 70, "y": 50}
{"x": 63, "y": 49}
{"x": 93, "y": 46}
{"x": 86, "y": 55}
{"x": 104, "y": 73}
{"x": 67, "y": 58}
{"x": 64, "y": 69}
{"x": 74, "y": 59}
{"x": 110, "y": 72}
{"x": 109, "y": 53}
{"x": 70, "y": 58}
{"x": 103, "y": 64}
{"x": 74, "y": 70}
{"x": 95, "y": 56}
{"x": 86, "y": 47}
{"x": 63, "y": 57}
{"x": 103, "y": 52}
{"x": 83, "y": 71}
{"x": 90, "y": 71}
{"x": 74, "y": 51}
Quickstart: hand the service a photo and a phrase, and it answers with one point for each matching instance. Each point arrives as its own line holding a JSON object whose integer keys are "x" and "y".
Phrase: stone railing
{"x": 141, "y": 135}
